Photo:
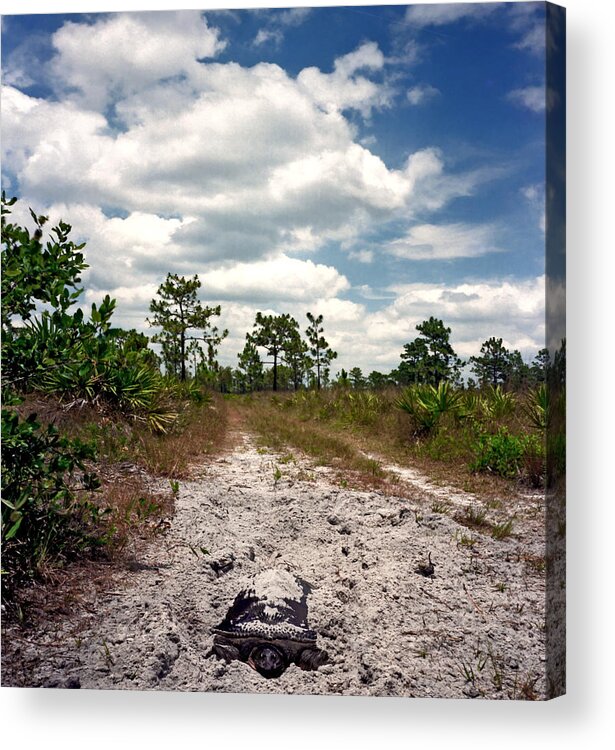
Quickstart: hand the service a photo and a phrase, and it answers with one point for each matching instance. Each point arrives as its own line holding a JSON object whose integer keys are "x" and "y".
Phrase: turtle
{"x": 266, "y": 626}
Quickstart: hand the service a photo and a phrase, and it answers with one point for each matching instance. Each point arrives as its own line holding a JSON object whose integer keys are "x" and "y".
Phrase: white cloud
{"x": 475, "y": 311}
{"x": 440, "y": 14}
{"x": 123, "y": 53}
{"x": 533, "y": 40}
{"x": 343, "y": 88}
{"x": 122, "y": 252}
{"x": 226, "y": 172}
{"x": 528, "y": 21}
{"x": 531, "y": 97}
{"x": 363, "y": 256}
{"x": 421, "y": 94}
{"x": 444, "y": 242}
{"x": 278, "y": 23}
{"x": 267, "y": 35}
{"x": 524, "y": 20}
{"x": 281, "y": 279}
{"x": 535, "y": 196}
{"x": 253, "y": 162}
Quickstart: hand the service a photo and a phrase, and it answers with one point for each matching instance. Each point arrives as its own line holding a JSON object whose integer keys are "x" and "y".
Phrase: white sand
{"x": 476, "y": 629}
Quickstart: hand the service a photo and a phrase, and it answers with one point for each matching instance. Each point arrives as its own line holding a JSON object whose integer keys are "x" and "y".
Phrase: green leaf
{"x": 14, "y": 529}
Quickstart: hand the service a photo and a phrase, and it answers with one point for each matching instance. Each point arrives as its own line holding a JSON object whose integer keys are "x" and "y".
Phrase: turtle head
{"x": 268, "y": 660}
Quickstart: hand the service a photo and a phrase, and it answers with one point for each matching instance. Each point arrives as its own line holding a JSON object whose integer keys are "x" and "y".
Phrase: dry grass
{"x": 201, "y": 432}
{"x": 132, "y": 507}
{"x": 278, "y": 431}
{"x": 534, "y": 564}
{"x": 386, "y": 434}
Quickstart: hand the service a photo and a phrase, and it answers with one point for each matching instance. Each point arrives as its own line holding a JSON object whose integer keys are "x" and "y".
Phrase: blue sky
{"x": 376, "y": 164}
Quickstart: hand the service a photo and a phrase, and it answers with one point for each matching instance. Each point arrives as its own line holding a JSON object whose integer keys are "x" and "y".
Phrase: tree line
{"x": 189, "y": 345}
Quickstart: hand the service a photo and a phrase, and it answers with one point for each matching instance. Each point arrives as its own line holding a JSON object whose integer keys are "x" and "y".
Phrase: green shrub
{"x": 510, "y": 455}
{"x": 62, "y": 353}
{"x": 46, "y": 513}
{"x": 501, "y": 453}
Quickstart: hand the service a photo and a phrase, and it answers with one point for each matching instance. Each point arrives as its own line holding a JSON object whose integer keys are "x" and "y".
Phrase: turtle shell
{"x": 273, "y": 607}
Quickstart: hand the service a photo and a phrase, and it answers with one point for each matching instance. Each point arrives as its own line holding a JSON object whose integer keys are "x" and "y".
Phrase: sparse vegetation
{"x": 502, "y": 530}
{"x": 468, "y": 437}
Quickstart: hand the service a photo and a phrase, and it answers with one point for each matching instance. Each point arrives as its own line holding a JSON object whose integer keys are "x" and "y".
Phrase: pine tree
{"x": 273, "y": 333}
{"x": 430, "y": 358}
{"x": 250, "y": 366}
{"x": 322, "y": 354}
{"x": 414, "y": 359}
{"x": 493, "y": 366}
{"x": 296, "y": 355}
{"x": 356, "y": 378}
{"x": 177, "y": 311}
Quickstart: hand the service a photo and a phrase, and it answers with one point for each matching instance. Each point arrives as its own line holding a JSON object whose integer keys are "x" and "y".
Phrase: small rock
{"x": 471, "y": 692}
{"x": 334, "y": 520}
{"x": 223, "y": 563}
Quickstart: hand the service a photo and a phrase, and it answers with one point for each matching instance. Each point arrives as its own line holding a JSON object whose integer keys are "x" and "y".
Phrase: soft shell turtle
{"x": 267, "y": 627}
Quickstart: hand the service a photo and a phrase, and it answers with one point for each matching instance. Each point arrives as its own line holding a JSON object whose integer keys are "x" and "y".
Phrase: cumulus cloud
{"x": 344, "y": 88}
{"x": 165, "y": 160}
{"x": 252, "y": 162}
{"x": 281, "y": 279}
{"x": 444, "y": 242}
{"x": 255, "y": 163}
{"x": 247, "y": 153}
{"x": 531, "y": 97}
{"x": 123, "y": 53}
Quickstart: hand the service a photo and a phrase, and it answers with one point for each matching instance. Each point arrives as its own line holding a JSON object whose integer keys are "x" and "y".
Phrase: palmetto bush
{"x": 345, "y": 406}
{"x": 497, "y": 404}
{"x": 80, "y": 362}
{"x": 537, "y": 407}
{"x": 97, "y": 375}
{"x": 426, "y": 404}
{"x": 358, "y": 407}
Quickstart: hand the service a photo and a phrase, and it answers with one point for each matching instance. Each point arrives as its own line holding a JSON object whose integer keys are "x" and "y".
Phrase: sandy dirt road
{"x": 476, "y": 629}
